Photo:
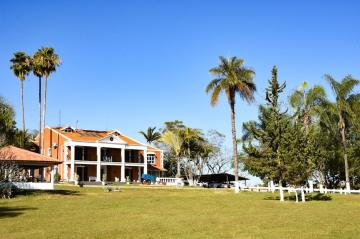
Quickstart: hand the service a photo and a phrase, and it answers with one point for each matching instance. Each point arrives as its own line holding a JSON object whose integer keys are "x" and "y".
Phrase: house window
{"x": 68, "y": 130}
{"x": 151, "y": 158}
{"x": 49, "y": 152}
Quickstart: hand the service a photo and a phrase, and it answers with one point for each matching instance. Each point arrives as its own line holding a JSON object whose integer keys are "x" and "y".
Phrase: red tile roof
{"x": 93, "y": 135}
{"x": 17, "y": 154}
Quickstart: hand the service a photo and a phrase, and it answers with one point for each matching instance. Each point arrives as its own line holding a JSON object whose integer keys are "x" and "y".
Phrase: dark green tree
{"x": 263, "y": 139}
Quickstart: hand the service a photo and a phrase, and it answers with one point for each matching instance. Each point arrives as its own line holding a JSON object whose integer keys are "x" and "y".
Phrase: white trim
{"x": 134, "y": 165}
{"x": 94, "y": 144}
{"x": 111, "y": 163}
{"x": 120, "y": 141}
{"x": 136, "y": 147}
{"x": 85, "y": 162}
{"x": 104, "y": 145}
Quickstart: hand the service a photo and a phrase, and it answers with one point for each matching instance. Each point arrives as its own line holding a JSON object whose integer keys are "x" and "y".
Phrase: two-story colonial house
{"x": 89, "y": 155}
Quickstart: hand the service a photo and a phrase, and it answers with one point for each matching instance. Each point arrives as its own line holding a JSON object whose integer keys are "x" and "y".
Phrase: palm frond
{"x": 347, "y": 85}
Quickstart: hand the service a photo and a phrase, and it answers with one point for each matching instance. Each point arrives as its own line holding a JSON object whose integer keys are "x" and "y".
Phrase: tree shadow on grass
{"x": 61, "y": 192}
{"x": 6, "y": 212}
{"x": 308, "y": 197}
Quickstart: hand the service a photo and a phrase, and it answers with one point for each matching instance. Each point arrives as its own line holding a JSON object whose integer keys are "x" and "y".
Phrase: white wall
{"x": 35, "y": 186}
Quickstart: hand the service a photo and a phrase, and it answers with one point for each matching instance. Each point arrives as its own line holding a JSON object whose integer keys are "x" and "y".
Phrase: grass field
{"x": 142, "y": 212}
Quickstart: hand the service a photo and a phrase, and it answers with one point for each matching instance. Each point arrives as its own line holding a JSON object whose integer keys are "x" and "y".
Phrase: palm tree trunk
{"x": 40, "y": 130}
{"x": 23, "y": 113}
{"x": 345, "y": 159}
{"x": 178, "y": 168}
{"x": 44, "y": 110}
{"x": 306, "y": 121}
{"x": 235, "y": 155}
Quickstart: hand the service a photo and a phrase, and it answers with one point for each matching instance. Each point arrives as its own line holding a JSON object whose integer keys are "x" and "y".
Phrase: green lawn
{"x": 142, "y": 212}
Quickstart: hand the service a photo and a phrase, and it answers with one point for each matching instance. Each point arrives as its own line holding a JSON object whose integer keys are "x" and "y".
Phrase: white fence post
{"x": 272, "y": 186}
{"x": 302, "y": 194}
{"x": 311, "y": 186}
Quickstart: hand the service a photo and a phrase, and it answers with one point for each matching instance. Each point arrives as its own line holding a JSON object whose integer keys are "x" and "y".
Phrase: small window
{"x": 49, "y": 152}
{"x": 67, "y": 129}
{"x": 151, "y": 158}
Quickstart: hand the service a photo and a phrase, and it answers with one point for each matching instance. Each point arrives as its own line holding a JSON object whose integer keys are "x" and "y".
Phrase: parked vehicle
{"x": 147, "y": 179}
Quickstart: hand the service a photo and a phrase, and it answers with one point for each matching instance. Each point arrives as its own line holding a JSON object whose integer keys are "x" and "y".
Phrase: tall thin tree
{"x": 45, "y": 63}
{"x": 233, "y": 78}
{"x": 344, "y": 107}
{"x": 21, "y": 67}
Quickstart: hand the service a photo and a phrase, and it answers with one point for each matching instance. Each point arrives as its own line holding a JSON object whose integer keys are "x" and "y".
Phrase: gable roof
{"x": 94, "y": 136}
{"x": 12, "y": 153}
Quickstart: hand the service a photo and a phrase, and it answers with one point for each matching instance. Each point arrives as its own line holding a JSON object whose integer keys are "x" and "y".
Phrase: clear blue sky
{"x": 134, "y": 64}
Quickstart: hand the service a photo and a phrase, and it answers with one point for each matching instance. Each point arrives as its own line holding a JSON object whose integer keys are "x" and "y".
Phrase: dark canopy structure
{"x": 219, "y": 178}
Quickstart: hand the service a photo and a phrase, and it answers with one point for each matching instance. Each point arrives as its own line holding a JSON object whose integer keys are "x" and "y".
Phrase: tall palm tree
{"x": 233, "y": 78}
{"x": 174, "y": 141}
{"x": 21, "y": 67}
{"x": 308, "y": 102}
{"x": 45, "y": 62}
{"x": 151, "y": 135}
{"x": 344, "y": 107}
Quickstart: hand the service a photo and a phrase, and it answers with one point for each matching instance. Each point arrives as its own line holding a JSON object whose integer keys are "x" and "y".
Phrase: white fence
{"x": 307, "y": 190}
{"x": 170, "y": 181}
{"x": 34, "y": 186}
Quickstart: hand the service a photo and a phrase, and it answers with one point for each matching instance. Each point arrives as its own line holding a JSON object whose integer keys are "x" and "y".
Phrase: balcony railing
{"x": 107, "y": 158}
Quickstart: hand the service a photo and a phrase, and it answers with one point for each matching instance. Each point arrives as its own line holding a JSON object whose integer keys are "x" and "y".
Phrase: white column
{"x": 98, "y": 165}
{"x": 145, "y": 161}
{"x": 53, "y": 169}
{"x": 122, "y": 174}
{"x": 64, "y": 164}
{"x": 72, "y": 162}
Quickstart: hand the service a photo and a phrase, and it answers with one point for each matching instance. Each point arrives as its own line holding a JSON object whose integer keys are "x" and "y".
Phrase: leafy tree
{"x": 217, "y": 162}
{"x": 173, "y": 126}
{"x": 276, "y": 146}
{"x": 344, "y": 106}
{"x": 308, "y": 102}
{"x": 196, "y": 150}
{"x": 21, "y": 67}
{"x": 233, "y": 78}
{"x": 174, "y": 141}
{"x": 151, "y": 135}
{"x": 7, "y": 123}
